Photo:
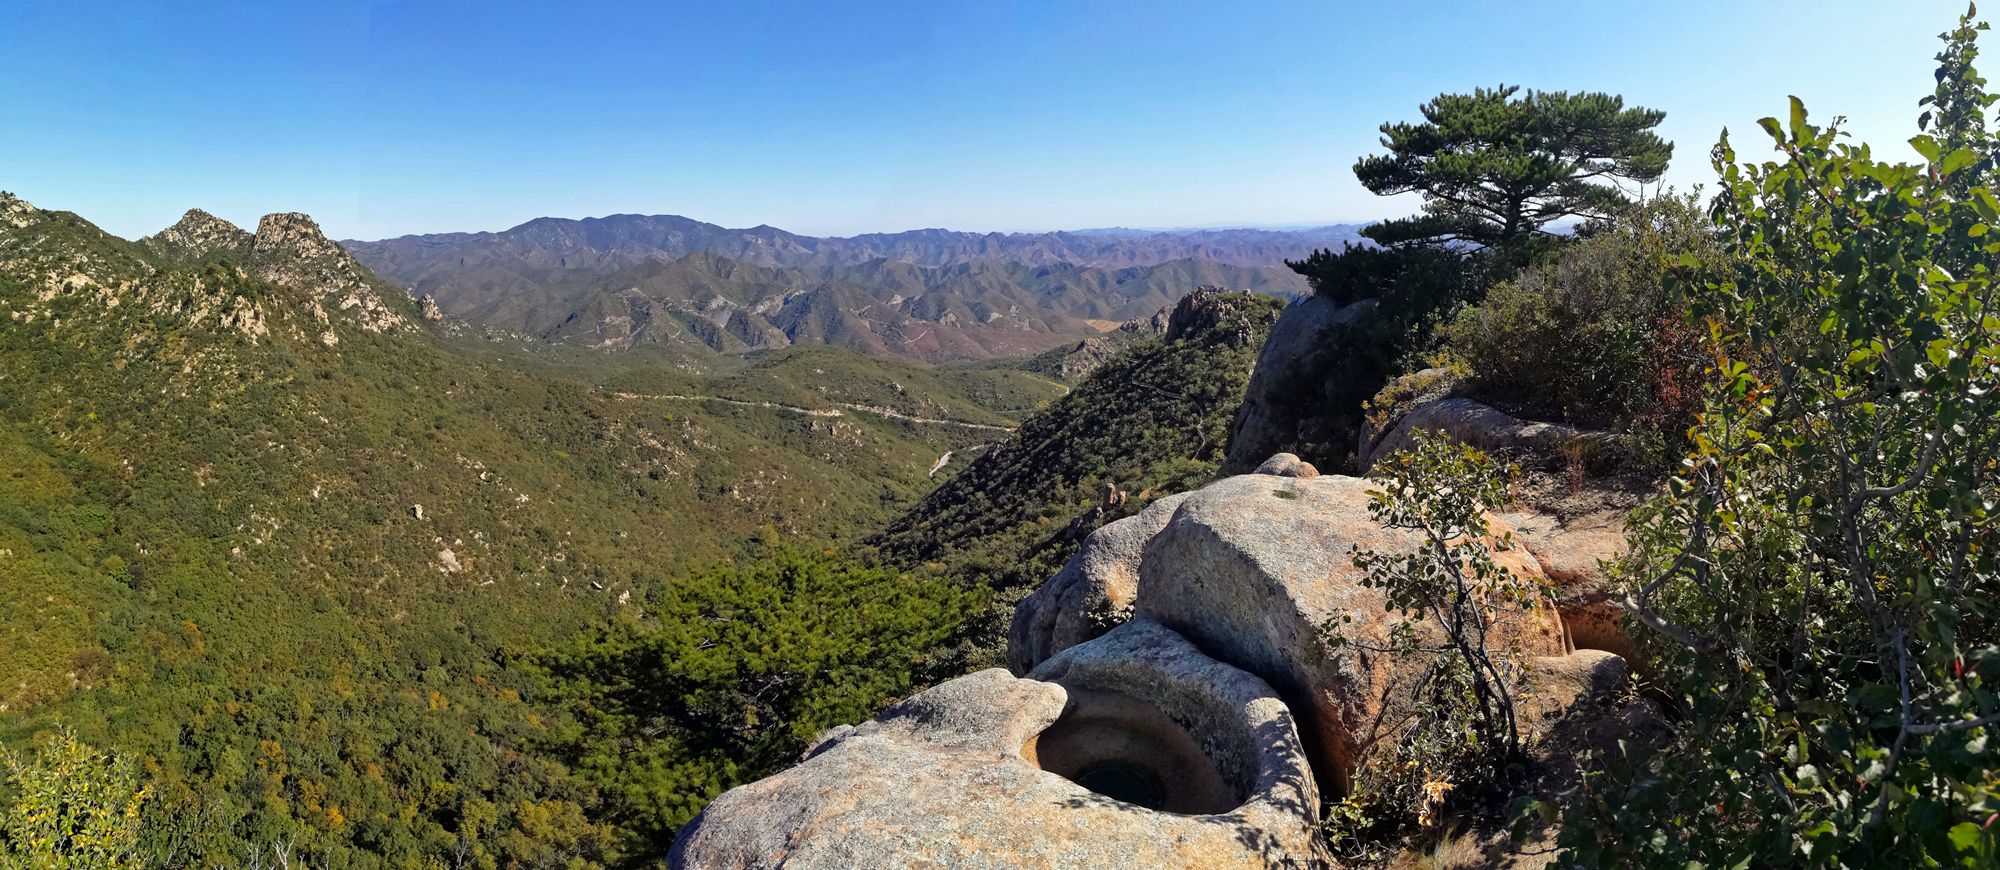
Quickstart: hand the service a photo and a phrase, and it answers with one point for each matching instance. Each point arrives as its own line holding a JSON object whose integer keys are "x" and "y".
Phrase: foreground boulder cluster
{"x": 1179, "y": 697}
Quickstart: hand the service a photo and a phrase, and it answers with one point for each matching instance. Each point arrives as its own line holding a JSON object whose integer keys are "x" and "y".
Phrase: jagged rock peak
{"x": 294, "y": 233}
{"x": 15, "y": 210}
{"x": 1208, "y": 308}
{"x": 199, "y": 232}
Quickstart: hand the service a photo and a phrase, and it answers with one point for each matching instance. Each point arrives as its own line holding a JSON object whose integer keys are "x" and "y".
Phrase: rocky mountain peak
{"x": 291, "y": 250}
{"x": 15, "y": 210}
{"x": 296, "y": 234}
{"x": 198, "y": 233}
{"x": 1209, "y": 308}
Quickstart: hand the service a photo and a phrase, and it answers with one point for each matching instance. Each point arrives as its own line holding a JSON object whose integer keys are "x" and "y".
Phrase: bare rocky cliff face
{"x": 1177, "y": 700}
{"x": 285, "y": 283}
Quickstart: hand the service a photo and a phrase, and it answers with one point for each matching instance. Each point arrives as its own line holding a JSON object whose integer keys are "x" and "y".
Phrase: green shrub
{"x": 730, "y": 675}
{"x": 70, "y": 807}
{"x": 1821, "y": 576}
{"x": 1448, "y": 595}
{"x": 1595, "y": 337}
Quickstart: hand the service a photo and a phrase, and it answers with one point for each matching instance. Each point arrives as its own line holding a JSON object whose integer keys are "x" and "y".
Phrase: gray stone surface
{"x": 1308, "y": 337}
{"x": 955, "y": 777}
{"x": 1255, "y": 568}
{"x": 1470, "y": 422}
{"x": 1287, "y": 465}
{"x": 1091, "y": 594}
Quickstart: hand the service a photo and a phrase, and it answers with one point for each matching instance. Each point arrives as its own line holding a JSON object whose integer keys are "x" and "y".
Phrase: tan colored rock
{"x": 1093, "y": 592}
{"x": 1255, "y": 569}
{"x": 1573, "y": 553}
{"x": 977, "y": 773}
{"x": 1091, "y": 595}
{"x": 1287, "y": 465}
{"x": 199, "y": 233}
{"x": 1470, "y": 422}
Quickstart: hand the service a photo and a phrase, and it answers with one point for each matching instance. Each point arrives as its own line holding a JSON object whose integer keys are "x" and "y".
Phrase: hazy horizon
{"x": 384, "y": 119}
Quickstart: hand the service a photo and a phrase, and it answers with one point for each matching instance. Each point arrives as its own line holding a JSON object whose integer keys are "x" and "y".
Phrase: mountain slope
{"x": 1149, "y": 421}
{"x": 626, "y": 238}
{"x": 263, "y": 526}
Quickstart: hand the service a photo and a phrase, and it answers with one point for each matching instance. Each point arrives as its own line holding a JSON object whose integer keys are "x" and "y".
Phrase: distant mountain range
{"x": 626, "y": 280}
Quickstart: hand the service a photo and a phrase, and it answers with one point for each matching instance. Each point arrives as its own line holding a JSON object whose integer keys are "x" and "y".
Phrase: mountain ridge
{"x": 768, "y": 245}
{"x": 620, "y": 281}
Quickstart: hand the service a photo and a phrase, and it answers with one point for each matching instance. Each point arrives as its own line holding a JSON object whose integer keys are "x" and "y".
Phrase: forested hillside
{"x": 267, "y": 532}
{"x": 1150, "y": 421}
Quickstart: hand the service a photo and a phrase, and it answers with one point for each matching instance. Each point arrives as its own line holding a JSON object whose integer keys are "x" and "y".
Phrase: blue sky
{"x": 384, "y": 118}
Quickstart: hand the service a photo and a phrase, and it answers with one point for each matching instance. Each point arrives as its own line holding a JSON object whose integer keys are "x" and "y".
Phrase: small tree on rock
{"x": 1448, "y": 593}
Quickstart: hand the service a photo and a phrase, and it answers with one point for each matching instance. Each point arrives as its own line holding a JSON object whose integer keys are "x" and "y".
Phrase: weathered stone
{"x": 1087, "y": 356}
{"x": 1259, "y": 572}
{"x": 972, "y": 774}
{"x": 198, "y": 234}
{"x": 1573, "y": 552}
{"x": 1091, "y": 594}
{"x": 1473, "y": 423}
{"x": 1287, "y": 465}
{"x": 1399, "y": 397}
{"x": 427, "y": 307}
{"x": 1305, "y": 345}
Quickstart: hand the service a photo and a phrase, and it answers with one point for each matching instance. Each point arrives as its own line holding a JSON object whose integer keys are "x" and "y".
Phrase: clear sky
{"x": 384, "y": 118}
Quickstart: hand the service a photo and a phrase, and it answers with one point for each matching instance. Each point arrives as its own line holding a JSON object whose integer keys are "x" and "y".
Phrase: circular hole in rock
{"x": 1126, "y": 782}
{"x": 1129, "y": 750}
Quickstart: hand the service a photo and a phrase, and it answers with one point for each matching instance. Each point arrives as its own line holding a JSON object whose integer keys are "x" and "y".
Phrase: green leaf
{"x": 1964, "y": 836}
{"x": 1928, "y": 147}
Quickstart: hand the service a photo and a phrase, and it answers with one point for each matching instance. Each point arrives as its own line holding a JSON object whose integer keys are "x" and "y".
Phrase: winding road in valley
{"x": 876, "y": 410}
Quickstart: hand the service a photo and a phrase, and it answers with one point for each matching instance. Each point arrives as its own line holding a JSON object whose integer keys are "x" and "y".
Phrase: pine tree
{"x": 1496, "y": 166}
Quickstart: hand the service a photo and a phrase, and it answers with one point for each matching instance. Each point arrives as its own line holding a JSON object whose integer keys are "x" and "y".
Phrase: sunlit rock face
{"x": 1180, "y": 690}
{"x": 1132, "y": 750}
{"x": 1258, "y": 571}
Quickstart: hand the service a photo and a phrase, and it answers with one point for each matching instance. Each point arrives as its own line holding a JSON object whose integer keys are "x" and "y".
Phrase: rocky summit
{"x": 1179, "y": 697}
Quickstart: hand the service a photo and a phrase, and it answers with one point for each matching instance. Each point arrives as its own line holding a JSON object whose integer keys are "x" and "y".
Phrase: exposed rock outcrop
{"x": 1469, "y": 421}
{"x": 1573, "y": 552}
{"x": 1088, "y": 355}
{"x": 1133, "y": 750}
{"x": 1257, "y": 569}
{"x": 1091, "y": 594}
{"x": 1287, "y": 465}
{"x": 1279, "y": 409}
{"x": 291, "y": 251}
{"x": 198, "y": 234}
{"x": 15, "y": 211}
{"x": 1186, "y": 682}
{"x": 1209, "y": 309}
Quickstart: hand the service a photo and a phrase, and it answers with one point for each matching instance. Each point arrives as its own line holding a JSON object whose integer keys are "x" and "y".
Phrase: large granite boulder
{"x": 1132, "y": 750}
{"x": 1093, "y": 592}
{"x": 1310, "y": 343}
{"x": 1257, "y": 570}
{"x": 1573, "y": 550}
